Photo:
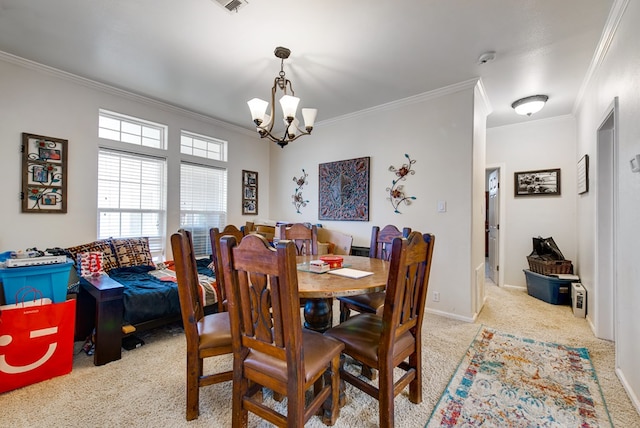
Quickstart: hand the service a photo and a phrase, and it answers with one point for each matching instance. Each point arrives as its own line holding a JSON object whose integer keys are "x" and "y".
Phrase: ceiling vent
{"x": 231, "y": 5}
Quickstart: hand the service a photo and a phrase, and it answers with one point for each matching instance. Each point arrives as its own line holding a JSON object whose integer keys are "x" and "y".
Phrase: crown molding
{"x": 414, "y": 99}
{"x": 112, "y": 90}
{"x": 611, "y": 26}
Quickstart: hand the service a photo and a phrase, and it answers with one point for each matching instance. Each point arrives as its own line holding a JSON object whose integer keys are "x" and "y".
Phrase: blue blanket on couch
{"x": 146, "y": 297}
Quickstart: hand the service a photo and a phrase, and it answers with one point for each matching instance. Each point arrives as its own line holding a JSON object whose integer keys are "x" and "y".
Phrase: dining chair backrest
{"x": 257, "y": 269}
{"x": 206, "y": 335}
{"x": 187, "y": 279}
{"x": 267, "y": 334}
{"x": 304, "y": 237}
{"x": 215, "y": 235}
{"x": 406, "y": 292}
{"x": 265, "y": 230}
{"x": 381, "y": 240}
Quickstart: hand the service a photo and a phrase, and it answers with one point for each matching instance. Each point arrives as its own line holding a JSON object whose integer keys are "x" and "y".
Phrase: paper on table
{"x": 351, "y": 273}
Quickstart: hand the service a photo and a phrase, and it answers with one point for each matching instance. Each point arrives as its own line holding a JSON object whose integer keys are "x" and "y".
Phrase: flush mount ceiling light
{"x": 289, "y": 104}
{"x": 529, "y": 105}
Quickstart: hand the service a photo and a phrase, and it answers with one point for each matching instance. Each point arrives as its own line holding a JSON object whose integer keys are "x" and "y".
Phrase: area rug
{"x": 509, "y": 381}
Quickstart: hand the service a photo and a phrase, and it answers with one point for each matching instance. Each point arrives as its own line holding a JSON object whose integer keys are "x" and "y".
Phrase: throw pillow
{"x": 132, "y": 251}
{"x": 109, "y": 259}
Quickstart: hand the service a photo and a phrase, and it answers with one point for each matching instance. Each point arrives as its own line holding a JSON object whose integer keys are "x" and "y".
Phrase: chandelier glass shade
{"x": 289, "y": 104}
{"x": 529, "y": 105}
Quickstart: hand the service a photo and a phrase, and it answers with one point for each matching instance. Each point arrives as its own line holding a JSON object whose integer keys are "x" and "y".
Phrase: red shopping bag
{"x": 36, "y": 343}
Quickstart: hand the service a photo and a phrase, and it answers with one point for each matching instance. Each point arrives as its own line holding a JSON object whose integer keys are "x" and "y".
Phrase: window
{"x": 201, "y": 146}
{"x": 131, "y": 198}
{"x": 203, "y": 202}
{"x": 126, "y": 129}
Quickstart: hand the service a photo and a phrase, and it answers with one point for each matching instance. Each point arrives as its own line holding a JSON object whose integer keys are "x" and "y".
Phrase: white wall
{"x": 618, "y": 75}
{"x": 535, "y": 145}
{"x": 437, "y": 131}
{"x": 43, "y": 101}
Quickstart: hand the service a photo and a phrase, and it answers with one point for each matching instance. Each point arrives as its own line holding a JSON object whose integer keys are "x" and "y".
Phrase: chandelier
{"x": 288, "y": 102}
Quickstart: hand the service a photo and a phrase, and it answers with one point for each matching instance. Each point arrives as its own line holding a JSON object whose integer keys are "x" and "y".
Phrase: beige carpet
{"x": 146, "y": 387}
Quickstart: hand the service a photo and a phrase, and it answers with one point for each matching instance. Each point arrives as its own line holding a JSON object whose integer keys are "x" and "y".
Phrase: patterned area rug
{"x": 509, "y": 381}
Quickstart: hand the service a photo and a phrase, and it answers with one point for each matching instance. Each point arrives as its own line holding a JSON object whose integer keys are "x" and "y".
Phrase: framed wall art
{"x": 249, "y": 192}
{"x": 544, "y": 182}
{"x": 583, "y": 175}
{"x": 344, "y": 190}
{"x": 44, "y": 174}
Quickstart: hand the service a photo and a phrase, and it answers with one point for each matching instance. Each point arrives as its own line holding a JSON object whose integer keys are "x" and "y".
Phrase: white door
{"x": 494, "y": 226}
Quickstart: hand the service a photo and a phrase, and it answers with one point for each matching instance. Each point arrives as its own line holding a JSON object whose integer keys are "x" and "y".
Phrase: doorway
{"x": 494, "y": 232}
{"x": 603, "y": 295}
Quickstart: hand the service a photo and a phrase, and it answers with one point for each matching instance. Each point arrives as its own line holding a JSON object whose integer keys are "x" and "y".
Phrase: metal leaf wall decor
{"x": 298, "y": 200}
{"x": 396, "y": 191}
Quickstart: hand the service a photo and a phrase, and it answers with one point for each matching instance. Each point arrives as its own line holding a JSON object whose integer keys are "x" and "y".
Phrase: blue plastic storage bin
{"x": 50, "y": 280}
{"x": 548, "y": 288}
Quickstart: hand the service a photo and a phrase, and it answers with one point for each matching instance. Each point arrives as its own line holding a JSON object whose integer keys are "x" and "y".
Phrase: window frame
{"x": 157, "y": 244}
{"x": 200, "y": 233}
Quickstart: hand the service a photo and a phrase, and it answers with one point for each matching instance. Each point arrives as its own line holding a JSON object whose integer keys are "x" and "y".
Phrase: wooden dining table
{"x": 319, "y": 289}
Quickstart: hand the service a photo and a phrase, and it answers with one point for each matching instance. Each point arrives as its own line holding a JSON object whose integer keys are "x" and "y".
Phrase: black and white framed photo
{"x": 543, "y": 182}
{"x": 583, "y": 175}
{"x": 249, "y": 192}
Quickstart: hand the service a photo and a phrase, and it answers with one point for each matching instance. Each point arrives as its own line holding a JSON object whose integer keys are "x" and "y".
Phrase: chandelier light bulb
{"x": 289, "y": 106}
{"x": 289, "y": 103}
{"x": 258, "y": 107}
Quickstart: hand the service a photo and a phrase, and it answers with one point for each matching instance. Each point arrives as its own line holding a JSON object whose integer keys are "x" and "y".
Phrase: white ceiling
{"x": 346, "y": 55}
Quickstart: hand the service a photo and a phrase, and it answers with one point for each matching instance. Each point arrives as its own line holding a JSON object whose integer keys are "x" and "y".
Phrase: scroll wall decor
{"x": 396, "y": 191}
{"x": 298, "y": 200}
{"x": 344, "y": 190}
{"x": 44, "y": 174}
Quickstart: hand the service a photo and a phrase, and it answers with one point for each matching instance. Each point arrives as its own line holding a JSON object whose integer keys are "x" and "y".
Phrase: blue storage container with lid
{"x": 50, "y": 280}
{"x": 549, "y": 288}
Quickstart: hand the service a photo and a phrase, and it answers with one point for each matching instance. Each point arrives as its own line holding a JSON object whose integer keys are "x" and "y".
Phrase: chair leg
{"x": 345, "y": 312}
{"x": 239, "y": 415}
{"x": 194, "y": 369}
{"x": 342, "y": 397}
{"x": 368, "y": 372}
{"x": 332, "y": 404}
{"x": 415, "y": 386}
{"x": 386, "y": 397}
{"x": 295, "y": 408}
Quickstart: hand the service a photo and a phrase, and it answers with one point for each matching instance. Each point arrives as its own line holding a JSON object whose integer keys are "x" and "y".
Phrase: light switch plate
{"x": 442, "y": 206}
{"x": 635, "y": 164}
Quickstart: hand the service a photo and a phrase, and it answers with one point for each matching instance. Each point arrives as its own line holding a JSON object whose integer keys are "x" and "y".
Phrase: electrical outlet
{"x": 436, "y": 296}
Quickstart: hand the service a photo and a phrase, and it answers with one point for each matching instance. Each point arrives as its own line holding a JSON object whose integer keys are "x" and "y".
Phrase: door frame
{"x": 502, "y": 172}
{"x": 604, "y": 300}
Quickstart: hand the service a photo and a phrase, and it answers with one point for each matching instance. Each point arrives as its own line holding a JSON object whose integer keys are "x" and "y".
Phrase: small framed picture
{"x": 49, "y": 199}
{"x": 48, "y": 154}
{"x": 249, "y": 192}
{"x": 583, "y": 175}
{"x": 543, "y": 182}
{"x": 40, "y": 174}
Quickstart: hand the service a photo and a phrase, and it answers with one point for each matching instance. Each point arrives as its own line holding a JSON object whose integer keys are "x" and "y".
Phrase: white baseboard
{"x": 450, "y": 315}
{"x": 630, "y": 392}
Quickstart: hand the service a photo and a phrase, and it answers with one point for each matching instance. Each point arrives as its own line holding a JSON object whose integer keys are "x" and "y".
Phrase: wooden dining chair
{"x": 394, "y": 339}
{"x": 304, "y": 237}
{"x": 207, "y": 335}
{"x": 215, "y": 235}
{"x": 380, "y": 249}
{"x": 270, "y": 347}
